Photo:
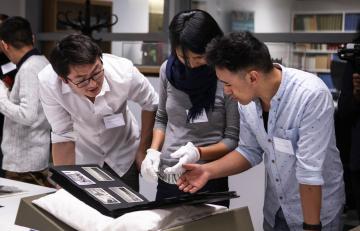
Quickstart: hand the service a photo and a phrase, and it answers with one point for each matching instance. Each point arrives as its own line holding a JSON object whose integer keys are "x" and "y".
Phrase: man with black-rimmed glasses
{"x": 84, "y": 94}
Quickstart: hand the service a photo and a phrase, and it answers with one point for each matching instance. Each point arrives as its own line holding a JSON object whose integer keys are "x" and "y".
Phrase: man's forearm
{"x": 214, "y": 151}
{"x": 230, "y": 164}
{"x": 311, "y": 203}
{"x": 63, "y": 153}
{"x": 147, "y": 124}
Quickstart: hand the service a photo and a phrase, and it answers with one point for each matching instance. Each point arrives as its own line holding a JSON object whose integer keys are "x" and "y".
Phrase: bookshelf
{"x": 314, "y": 57}
{"x": 317, "y": 57}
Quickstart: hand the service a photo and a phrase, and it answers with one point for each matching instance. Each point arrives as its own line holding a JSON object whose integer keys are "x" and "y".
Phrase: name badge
{"x": 112, "y": 121}
{"x": 6, "y": 68}
{"x": 283, "y": 145}
{"x": 202, "y": 118}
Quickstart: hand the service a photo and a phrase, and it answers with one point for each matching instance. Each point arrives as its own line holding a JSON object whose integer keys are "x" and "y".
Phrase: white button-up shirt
{"x": 298, "y": 148}
{"x": 75, "y": 118}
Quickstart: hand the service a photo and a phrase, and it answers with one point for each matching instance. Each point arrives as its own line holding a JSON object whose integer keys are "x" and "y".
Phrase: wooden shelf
{"x": 312, "y": 51}
{"x": 318, "y": 70}
{"x": 149, "y": 70}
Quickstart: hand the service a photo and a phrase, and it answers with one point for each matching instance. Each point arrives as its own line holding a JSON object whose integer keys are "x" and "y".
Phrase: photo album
{"x": 109, "y": 195}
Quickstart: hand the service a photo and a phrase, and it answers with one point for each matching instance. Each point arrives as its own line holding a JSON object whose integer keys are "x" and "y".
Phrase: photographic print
{"x": 78, "y": 177}
{"x": 102, "y": 196}
{"x": 126, "y": 194}
{"x": 98, "y": 174}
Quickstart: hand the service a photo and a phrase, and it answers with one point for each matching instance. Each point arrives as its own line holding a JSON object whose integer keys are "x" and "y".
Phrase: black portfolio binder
{"x": 109, "y": 195}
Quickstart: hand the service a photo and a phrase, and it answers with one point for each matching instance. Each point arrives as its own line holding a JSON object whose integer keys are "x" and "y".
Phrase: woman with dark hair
{"x": 195, "y": 121}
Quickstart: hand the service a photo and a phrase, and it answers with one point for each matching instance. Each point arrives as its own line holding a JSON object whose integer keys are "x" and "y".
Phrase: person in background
{"x": 349, "y": 118}
{"x": 85, "y": 94}
{"x": 195, "y": 121}
{"x": 7, "y": 74}
{"x": 8, "y": 69}
{"x": 286, "y": 120}
{"x": 26, "y": 133}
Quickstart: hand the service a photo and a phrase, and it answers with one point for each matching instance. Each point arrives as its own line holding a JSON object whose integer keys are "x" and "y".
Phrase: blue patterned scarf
{"x": 198, "y": 83}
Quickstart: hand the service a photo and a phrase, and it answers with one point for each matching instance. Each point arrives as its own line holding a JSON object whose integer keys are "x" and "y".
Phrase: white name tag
{"x": 113, "y": 121}
{"x": 6, "y": 68}
{"x": 283, "y": 145}
{"x": 202, "y": 118}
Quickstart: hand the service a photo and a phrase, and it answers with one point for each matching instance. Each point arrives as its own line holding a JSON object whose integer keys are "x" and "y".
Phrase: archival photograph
{"x": 98, "y": 174}
{"x": 102, "y": 196}
{"x": 78, "y": 177}
{"x": 126, "y": 194}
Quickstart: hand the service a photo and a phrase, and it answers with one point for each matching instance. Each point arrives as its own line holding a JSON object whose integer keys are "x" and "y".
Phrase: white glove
{"x": 187, "y": 154}
{"x": 150, "y": 165}
{"x": 3, "y": 90}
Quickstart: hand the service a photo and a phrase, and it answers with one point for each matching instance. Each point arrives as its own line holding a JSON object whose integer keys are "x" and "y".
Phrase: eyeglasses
{"x": 86, "y": 82}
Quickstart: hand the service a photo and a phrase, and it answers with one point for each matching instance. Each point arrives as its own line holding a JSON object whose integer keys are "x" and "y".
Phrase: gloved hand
{"x": 3, "y": 90}
{"x": 187, "y": 154}
{"x": 150, "y": 165}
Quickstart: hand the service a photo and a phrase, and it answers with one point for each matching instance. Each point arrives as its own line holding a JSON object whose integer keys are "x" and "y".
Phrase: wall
{"x": 12, "y": 7}
{"x": 264, "y": 22}
{"x": 133, "y": 18}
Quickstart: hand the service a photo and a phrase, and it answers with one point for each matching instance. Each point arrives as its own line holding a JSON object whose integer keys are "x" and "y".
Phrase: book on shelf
{"x": 320, "y": 47}
{"x": 352, "y": 21}
{"x": 318, "y": 22}
{"x": 112, "y": 197}
{"x": 322, "y": 62}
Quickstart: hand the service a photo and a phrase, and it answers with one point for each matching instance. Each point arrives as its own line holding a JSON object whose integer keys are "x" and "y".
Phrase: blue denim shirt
{"x": 298, "y": 148}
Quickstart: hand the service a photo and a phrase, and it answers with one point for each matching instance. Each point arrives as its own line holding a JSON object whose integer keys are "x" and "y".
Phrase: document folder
{"x": 112, "y": 197}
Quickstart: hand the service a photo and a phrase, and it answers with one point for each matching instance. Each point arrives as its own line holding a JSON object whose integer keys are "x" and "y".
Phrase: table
{"x": 11, "y": 203}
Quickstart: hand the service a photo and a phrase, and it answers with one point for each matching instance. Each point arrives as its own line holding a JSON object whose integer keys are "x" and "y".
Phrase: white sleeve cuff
{"x": 250, "y": 155}
{"x": 151, "y": 107}
{"x": 64, "y": 137}
{"x": 309, "y": 177}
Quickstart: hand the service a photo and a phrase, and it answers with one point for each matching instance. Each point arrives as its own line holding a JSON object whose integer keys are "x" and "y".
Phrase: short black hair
{"x": 75, "y": 49}
{"x": 17, "y": 32}
{"x": 238, "y": 51}
{"x": 193, "y": 30}
{"x": 3, "y": 17}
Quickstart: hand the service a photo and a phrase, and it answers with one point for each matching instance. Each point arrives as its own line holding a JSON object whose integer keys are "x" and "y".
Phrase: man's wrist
{"x": 312, "y": 226}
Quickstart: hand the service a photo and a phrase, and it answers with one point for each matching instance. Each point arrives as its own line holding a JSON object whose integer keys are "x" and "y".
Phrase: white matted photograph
{"x": 126, "y": 194}
{"x": 98, "y": 174}
{"x": 78, "y": 177}
{"x": 102, "y": 196}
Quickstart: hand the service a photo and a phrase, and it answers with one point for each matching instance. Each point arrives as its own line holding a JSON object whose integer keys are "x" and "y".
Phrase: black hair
{"x": 3, "y": 17}
{"x": 238, "y": 51}
{"x": 192, "y": 30}
{"x": 17, "y": 32}
{"x": 75, "y": 49}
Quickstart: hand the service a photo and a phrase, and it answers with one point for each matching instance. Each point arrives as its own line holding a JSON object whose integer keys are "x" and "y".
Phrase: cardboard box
{"x": 30, "y": 215}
